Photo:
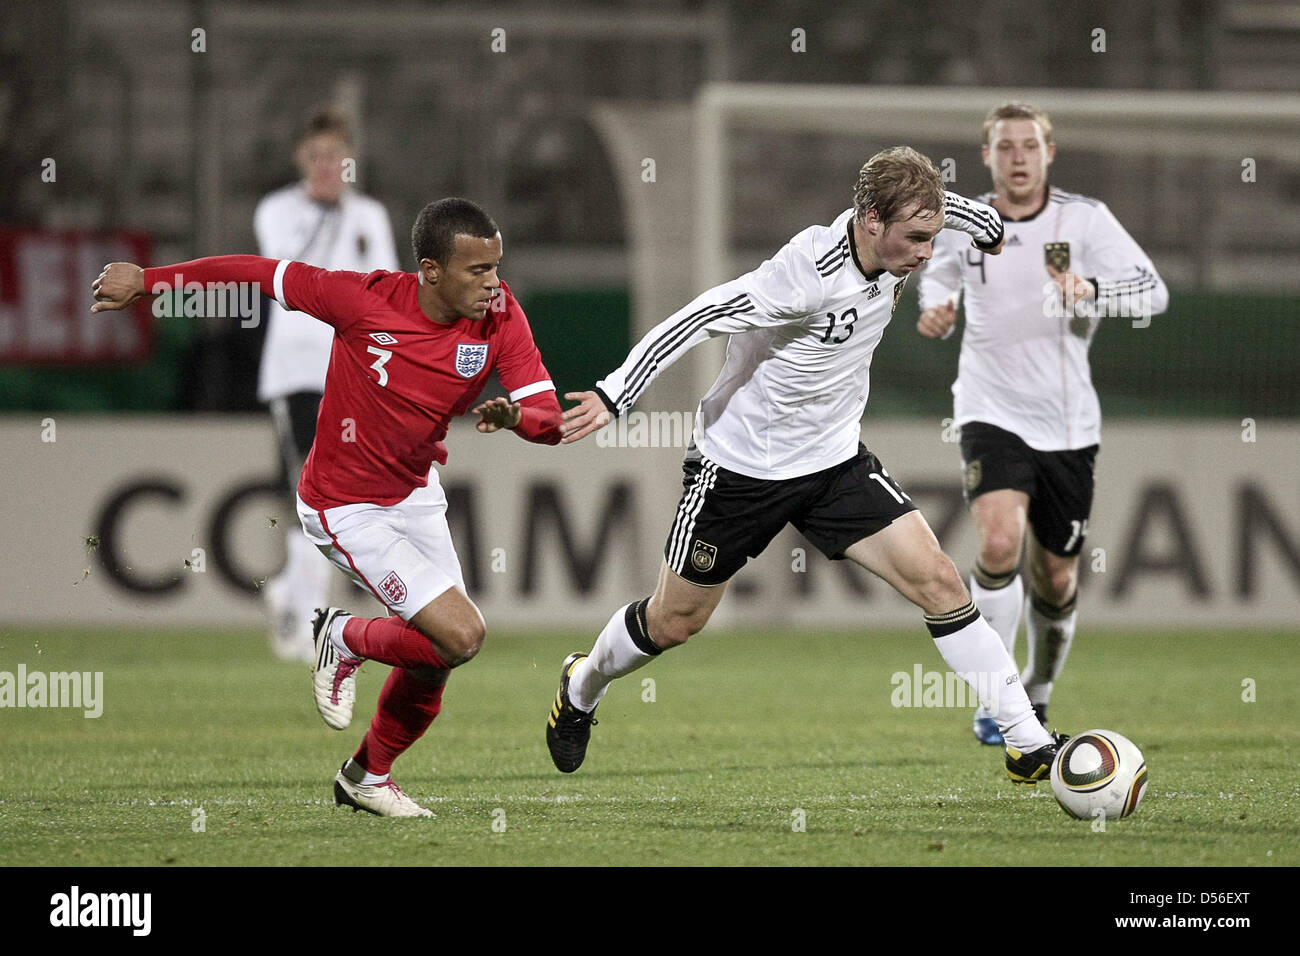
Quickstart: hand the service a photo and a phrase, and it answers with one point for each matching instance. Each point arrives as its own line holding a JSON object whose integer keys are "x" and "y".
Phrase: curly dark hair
{"x": 439, "y": 223}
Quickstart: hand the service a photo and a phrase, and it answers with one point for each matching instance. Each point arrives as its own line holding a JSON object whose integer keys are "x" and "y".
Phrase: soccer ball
{"x": 1099, "y": 770}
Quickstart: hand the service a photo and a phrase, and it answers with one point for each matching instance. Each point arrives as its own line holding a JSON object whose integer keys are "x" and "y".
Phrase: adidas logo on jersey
{"x": 1013, "y": 240}
{"x": 383, "y": 338}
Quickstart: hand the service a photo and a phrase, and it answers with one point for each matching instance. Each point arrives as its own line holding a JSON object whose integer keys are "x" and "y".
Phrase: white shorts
{"x": 401, "y": 553}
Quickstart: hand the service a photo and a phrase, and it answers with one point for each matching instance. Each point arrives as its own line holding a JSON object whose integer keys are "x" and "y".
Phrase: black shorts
{"x": 724, "y": 519}
{"x": 294, "y": 418}
{"x": 1059, "y": 483}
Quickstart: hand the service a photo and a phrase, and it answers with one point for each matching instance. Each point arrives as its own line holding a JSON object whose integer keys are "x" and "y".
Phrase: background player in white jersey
{"x": 1029, "y": 415}
{"x": 323, "y": 221}
{"x": 777, "y": 442}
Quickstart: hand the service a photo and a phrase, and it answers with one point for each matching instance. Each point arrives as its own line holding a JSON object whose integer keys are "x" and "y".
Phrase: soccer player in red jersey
{"x": 411, "y": 351}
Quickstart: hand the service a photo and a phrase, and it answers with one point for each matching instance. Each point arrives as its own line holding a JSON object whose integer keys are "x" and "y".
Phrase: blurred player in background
{"x": 411, "y": 352}
{"x": 322, "y": 221}
{"x": 777, "y": 441}
{"x": 1029, "y": 415}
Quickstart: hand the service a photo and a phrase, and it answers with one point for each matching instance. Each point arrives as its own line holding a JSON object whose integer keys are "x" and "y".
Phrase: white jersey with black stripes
{"x": 1024, "y": 361}
{"x": 790, "y": 397}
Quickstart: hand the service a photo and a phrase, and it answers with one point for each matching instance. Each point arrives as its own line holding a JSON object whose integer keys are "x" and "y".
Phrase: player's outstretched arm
{"x": 120, "y": 284}
{"x": 590, "y": 414}
{"x": 335, "y": 297}
{"x": 784, "y": 289}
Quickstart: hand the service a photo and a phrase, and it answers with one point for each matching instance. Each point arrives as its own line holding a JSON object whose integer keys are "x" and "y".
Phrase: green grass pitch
{"x": 740, "y": 736}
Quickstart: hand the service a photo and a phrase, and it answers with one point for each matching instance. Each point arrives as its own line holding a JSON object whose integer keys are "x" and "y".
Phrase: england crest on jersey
{"x": 470, "y": 359}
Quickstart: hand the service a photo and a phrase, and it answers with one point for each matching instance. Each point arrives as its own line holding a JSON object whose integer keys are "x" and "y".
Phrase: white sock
{"x": 369, "y": 779}
{"x": 1051, "y": 631}
{"x": 975, "y": 652}
{"x": 1000, "y": 601}
{"x": 614, "y": 654}
{"x": 336, "y": 638}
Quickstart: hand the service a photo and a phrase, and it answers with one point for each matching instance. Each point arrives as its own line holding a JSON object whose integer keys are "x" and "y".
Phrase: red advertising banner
{"x": 45, "y": 300}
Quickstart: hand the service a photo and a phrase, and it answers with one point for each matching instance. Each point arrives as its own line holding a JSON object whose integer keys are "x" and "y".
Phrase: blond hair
{"x": 1015, "y": 110}
{"x": 898, "y": 183}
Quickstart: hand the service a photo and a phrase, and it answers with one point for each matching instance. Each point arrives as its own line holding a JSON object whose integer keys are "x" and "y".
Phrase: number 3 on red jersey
{"x": 378, "y": 366}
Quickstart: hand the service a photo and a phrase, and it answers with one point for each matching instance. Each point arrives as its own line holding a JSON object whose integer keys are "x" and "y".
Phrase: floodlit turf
{"x": 210, "y": 752}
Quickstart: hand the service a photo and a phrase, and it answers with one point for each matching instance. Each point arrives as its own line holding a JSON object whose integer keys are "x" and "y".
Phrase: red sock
{"x": 407, "y": 706}
{"x": 390, "y": 640}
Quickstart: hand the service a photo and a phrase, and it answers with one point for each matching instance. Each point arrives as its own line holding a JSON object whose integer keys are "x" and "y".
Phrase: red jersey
{"x": 396, "y": 378}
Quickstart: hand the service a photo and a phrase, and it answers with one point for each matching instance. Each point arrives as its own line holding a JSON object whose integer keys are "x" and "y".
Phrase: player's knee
{"x": 1060, "y": 584}
{"x": 461, "y": 642}
{"x": 999, "y": 550}
{"x": 670, "y": 630}
{"x": 469, "y": 639}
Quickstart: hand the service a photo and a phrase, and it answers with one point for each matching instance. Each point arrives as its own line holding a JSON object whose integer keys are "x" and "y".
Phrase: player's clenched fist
{"x": 937, "y": 322}
{"x": 1073, "y": 288}
{"x": 584, "y": 418}
{"x": 120, "y": 284}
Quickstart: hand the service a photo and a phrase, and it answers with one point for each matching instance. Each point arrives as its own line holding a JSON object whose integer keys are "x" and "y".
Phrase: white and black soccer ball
{"x": 1099, "y": 770}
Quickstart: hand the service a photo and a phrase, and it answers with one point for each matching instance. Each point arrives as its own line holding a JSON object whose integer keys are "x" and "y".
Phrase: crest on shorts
{"x": 1057, "y": 255}
{"x": 703, "y": 556}
{"x": 393, "y": 588}
{"x": 974, "y": 475}
{"x": 470, "y": 359}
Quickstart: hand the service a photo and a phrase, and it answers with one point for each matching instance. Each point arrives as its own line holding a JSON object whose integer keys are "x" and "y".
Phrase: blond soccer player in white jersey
{"x": 1024, "y": 400}
{"x": 777, "y": 441}
{"x": 321, "y": 220}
